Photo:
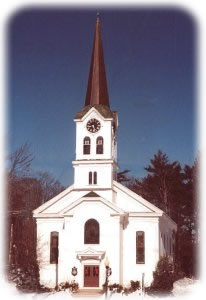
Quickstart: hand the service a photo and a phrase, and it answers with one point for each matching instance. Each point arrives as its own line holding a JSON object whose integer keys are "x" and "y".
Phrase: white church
{"x": 98, "y": 221}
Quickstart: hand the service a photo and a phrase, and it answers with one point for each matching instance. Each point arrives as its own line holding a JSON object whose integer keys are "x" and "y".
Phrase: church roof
{"x": 126, "y": 202}
{"x": 97, "y": 92}
{"x": 102, "y": 109}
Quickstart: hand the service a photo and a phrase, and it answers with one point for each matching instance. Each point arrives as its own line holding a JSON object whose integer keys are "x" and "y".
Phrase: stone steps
{"x": 88, "y": 293}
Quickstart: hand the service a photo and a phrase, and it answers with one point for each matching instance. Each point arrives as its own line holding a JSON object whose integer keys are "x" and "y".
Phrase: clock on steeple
{"x": 93, "y": 125}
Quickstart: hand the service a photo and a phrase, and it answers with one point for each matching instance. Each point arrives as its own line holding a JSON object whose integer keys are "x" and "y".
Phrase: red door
{"x": 91, "y": 276}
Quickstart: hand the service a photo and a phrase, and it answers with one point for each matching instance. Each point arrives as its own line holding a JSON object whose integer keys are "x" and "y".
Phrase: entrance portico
{"x": 93, "y": 275}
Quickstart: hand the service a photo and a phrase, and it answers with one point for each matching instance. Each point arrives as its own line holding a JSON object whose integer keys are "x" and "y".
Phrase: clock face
{"x": 93, "y": 125}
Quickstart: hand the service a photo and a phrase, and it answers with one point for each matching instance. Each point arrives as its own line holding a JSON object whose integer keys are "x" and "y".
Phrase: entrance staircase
{"x": 88, "y": 293}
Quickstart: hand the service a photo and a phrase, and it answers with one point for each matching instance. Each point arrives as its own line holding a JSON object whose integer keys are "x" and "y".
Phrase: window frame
{"x": 86, "y": 147}
{"x": 100, "y": 147}
{"x": 138, "y": 248}
{"x": 54, "y": 250}
{"x": 87, "y": 228}
{"x": 95, "y": 177}
{"x": 92, "y": 178}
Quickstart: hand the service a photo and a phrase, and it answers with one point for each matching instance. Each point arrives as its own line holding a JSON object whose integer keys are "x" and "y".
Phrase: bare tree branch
{"x": 20, "y": 161}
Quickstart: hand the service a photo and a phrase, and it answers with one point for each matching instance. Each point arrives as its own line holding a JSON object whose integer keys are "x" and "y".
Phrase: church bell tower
{"x": 95, "y": 164}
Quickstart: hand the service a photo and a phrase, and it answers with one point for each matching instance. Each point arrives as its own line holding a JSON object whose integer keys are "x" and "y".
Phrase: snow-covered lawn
{"x": 183, "y": 289}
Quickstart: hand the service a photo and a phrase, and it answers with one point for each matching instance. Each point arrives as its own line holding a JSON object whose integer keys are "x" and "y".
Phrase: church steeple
{"x": 95, "y": 164}
{"x": 97, "y": 92}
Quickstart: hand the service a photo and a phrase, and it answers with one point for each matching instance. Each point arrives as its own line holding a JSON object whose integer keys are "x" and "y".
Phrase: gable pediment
{"x": 70, "y": 199}
{"x": 65, "y": 204}
{"x": 92, "y": 199}
{"x": 92, "y": 194}
{"x": 90, "y": 253}
{"x": 134, "y": 203}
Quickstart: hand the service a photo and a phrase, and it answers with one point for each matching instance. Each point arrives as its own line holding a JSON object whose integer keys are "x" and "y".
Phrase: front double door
{"x": 91, "y": 276}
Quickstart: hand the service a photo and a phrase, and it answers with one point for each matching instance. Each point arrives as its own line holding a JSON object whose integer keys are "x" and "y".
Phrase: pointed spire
{"x": 97, "y": 92}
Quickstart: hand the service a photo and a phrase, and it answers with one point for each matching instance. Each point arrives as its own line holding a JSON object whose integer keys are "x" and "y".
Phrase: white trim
{"x": 94, "y": 199}
{"x": 90, "y": 111}
{"x": 94, "y": 161}
{"x": 141, "y": 214}
{"x": 50, "y": 215}
{"x": 91, "y": 188}
{"x": 56, "y": 219}
{"x": 117, "y": 186}
{"x": 90, "y": 254}
{"x": 53, "y": 200}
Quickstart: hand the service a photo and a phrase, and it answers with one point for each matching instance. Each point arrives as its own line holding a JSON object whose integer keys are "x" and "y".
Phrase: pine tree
{"x": 174, "y": 190}
{"x": 162, "y": 185}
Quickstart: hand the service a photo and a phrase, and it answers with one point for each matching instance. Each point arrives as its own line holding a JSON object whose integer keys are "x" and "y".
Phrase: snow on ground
{"x": 183, "y": 289}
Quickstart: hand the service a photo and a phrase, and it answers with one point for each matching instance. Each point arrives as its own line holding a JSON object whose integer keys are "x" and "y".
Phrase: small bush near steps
{"x": 73, "y": 286}
{"x": 163, "y": 278}
{"x": 117, "y": 288}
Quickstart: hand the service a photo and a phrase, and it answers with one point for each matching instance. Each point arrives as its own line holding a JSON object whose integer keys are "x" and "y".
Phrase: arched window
{"x": 86, "y": 146}
{"x": 99, "y": 146}
{"x": 95, "y": 177}
{"x": 91, "y": 232}
{"x": 54, "y": 247}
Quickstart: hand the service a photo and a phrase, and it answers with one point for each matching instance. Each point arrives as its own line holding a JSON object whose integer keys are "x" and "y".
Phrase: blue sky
{"x": 150, "y": 65}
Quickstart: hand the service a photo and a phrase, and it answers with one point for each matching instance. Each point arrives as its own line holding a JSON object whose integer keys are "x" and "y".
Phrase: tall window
{"x": 99, "y": 146}
{"x": 95, "y": 177}
{"x": 86, "y": 146}
{"x": 140, "y": 247}
{"x": 91, "y": 232}
{"x": 54, "y": 245}
{"x": 92, "y": 177}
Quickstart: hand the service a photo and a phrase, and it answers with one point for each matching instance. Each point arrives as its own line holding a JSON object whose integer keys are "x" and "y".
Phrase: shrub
{"x": 135, "y": 285}
{"x": 117, "y": 288}
{"x": 73, "y": 286}
{"x": 26, "y": 279}
{"x": 163, "y": 277}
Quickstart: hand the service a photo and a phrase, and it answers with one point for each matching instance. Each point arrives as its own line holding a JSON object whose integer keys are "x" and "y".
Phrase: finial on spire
{"x": 98, "y": 14}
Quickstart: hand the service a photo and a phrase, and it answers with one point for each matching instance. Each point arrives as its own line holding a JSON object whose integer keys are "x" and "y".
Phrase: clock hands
{"x": 93, "y": 125}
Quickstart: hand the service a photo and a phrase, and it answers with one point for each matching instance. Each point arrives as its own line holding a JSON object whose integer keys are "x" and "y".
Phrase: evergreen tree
{"x": 174, "y": 190}
{"x": 122, "y": 176}
{"x": 162, "y": 185}
{"x": 189, "y": 229}
{"x": 163, "y": 277}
